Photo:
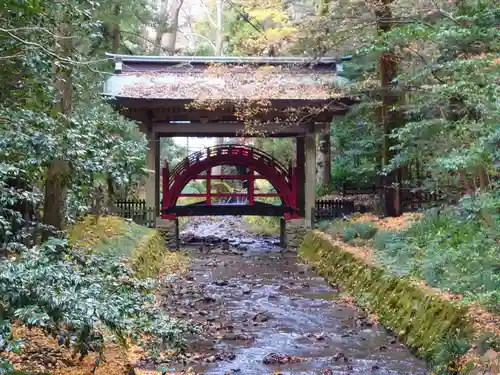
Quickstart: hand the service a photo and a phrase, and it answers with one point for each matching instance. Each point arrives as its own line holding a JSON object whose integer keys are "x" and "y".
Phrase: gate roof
{"x": 162, "y": 92}
{"x": 226, "y": 78}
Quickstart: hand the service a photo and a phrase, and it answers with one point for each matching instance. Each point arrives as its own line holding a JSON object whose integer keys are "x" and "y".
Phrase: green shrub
{"x": 350, "y": 233}
{"x": 336, "y": 228}
{"x": 362, "y": 230}
{"x": 322, "y": 190}
{"x": 322, "y": 225}
{"x": 365, "y": 230}
{"x": 263, "y": 225}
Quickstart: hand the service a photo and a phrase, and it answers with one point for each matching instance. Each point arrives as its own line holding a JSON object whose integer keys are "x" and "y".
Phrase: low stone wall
{"x": 295, "y": 231}
{"x": 169, "y": 230}
{"x": 426, "y": 322}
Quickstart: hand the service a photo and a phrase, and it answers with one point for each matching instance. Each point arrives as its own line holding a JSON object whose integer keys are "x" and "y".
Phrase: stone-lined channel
{"x": 253, "y": 299}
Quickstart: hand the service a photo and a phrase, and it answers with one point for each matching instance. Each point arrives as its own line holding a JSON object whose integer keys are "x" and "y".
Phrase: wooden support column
{"x": 251, "y": 187}
{"x": 151, "y": 167}
{"x": 209, "y": 188}
{"x": 310, "y": 177}
{"x": 157, "y": 174}
{"x": 165, "y": 185}
{"x": 300, "y": 174}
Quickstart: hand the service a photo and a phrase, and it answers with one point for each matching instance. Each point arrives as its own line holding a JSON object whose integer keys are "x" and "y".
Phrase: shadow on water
{"x": 253, "y": 299}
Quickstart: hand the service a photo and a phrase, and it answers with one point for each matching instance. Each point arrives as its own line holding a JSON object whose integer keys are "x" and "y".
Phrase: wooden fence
{"x": 333, "y": 208}
{"x": 417, "y": 200}
{"x": 136, "y": 211}
{"x": 349, "y": 190}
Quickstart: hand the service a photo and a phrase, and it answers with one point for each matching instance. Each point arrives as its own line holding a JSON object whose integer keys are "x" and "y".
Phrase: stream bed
{"x": 262, "y": 312}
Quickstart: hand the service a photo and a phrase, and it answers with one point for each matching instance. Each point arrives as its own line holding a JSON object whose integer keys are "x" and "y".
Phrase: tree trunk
{"x": 173, "y": 26}
{"x": 324, "y": 158}
{"x": 116, "y": 29}
{"x": 484, "y": 179}
{"x": 116, "y": 46}
{"x": 324, "y": 176}
{"x": 56, "y": 192}
{"x": 388, "y": 118}
{"x": 219, "y": 36}
{"x": 162, "y": 26}
{"x": 59, "y": 171}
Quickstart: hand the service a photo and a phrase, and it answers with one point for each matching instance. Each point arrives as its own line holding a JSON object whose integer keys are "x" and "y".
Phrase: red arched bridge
{"x": 257, "y": 165}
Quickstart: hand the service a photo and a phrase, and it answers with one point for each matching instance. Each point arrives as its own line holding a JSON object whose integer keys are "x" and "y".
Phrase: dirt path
{"x": 263, "y": 312}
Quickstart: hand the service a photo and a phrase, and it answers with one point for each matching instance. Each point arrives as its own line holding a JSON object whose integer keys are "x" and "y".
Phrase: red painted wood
{"x": 225, "y": 195}
{"x": 166, "y": 184}
{"x": 261, "y": 165}
{"x": 209, "y": 187}
{"x": 251, "y": 188}
{"x": 229, "y": 177}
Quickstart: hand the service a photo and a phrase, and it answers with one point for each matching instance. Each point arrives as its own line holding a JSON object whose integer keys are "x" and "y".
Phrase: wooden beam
{"x": 258, "y": 209}
{"x": 233, "y": 129}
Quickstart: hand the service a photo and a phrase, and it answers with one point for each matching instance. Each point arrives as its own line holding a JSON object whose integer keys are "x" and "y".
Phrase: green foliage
{"x": 93, "y": 292}
{"x": 171, "y": 151}
{"x": 282, "y": 149}
{"x": 349, "y": 234}
{"x": 362, "y": 230}
{"x": 365, "y": 230}
{"x": 348, "y": 230}
{"x": 263, "y": 225}
{"x": 357, "y": 140}
{"x": 73, "y": 295}
{"x": 322, "y": 190}
{"x": 455, "y": 249}
{"x": 449, "y": 120}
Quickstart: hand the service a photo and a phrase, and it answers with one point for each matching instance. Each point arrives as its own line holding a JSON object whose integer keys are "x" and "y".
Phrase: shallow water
{"x": 261, "y": 300}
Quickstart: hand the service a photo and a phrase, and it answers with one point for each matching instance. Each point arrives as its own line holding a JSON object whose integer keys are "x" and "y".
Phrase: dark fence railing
{"x": 411, "y": 198}
{"x": 136, "y": 211}
{"x": 349, "y": 190}
{"x": 333, "y": 208}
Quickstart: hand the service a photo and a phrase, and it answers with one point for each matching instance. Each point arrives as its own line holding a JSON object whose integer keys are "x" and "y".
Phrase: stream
{"x": 263, "y": 312}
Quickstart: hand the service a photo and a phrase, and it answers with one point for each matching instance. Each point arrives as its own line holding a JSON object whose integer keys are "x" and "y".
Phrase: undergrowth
{"x": 263, "y": 225}
{"x": 349, "y": 231}
{"x": 456, "y": 249}
{"x": 105, "y": 276}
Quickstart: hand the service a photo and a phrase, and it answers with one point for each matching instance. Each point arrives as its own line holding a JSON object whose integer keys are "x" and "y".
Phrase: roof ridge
{"x": 279, "y": 60}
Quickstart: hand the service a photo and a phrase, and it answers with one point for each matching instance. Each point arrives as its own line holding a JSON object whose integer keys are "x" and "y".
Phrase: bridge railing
{"x": 226, "y": 149}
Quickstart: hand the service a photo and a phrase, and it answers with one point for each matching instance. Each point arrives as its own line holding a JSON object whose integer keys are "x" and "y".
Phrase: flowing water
{"x": 263, "y": 312}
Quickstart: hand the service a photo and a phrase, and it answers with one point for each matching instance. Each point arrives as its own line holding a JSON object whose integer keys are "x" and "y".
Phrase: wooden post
{"x": 310, "y": 177}
{"x": 157, "y": 173}
{"x": 283, "y": 233}
{"x": 251, "y": 187}
{"x": 166, "y": 183}
{"x": 301, "y": 175}
{"x": 208, "y": 200}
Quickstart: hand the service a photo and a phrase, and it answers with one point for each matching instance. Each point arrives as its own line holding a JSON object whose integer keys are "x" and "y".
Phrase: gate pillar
{"x": 310, "y": 177}
{"x": 169, "y": 229}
